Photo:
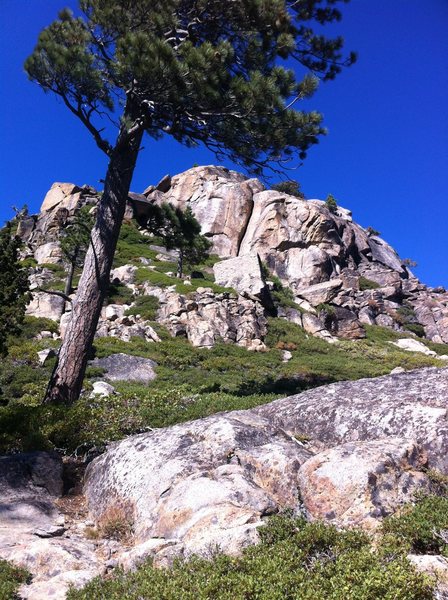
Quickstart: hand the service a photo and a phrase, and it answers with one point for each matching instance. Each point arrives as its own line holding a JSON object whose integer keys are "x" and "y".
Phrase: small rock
{"x": 101, "y": 388}
{"x": 286, "y": 356}
{"x": 397, "y": 370}
{"x": 50, "y": 532}
{"x": 45, "y": 355}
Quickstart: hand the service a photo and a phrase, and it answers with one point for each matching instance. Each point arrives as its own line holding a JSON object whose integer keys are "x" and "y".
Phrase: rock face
{"x": 243, "y": 274}
{"x": 320, "y": 256}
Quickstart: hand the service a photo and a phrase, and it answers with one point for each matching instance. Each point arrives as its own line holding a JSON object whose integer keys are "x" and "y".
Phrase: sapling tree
{"x": 180, "y": 231}
{"x": 202, "y": 71}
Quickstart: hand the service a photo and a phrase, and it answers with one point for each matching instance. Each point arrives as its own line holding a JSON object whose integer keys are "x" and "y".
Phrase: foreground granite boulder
{"x": 211, "y": 482}
{"x": 413, "y": 405}
{"x": 204, "y": 484}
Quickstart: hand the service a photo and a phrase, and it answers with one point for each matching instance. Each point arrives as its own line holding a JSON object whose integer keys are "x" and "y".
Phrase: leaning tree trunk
{"x": 66, "y": 381}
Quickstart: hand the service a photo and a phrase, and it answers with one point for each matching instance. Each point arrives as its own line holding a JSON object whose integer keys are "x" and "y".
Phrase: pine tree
{"x": 14, "y": 288}
{"x": 180, "y": 231}
{"x": 202, "y": 71}
{"x": 331, "y": 203}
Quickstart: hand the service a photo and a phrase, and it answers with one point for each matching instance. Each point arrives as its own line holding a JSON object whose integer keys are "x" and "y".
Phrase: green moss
{"x": 295, "y": 560}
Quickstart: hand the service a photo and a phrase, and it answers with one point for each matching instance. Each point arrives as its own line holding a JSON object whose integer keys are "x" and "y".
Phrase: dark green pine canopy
{"x": 216, "y": 72}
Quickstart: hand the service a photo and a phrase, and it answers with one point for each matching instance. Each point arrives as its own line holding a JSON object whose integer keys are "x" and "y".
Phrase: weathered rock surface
{"x": 124, "y": 367}
{"x": 413, "y": 405}
{"x": 203, "y": 483}
{"x": 354, "y": 484}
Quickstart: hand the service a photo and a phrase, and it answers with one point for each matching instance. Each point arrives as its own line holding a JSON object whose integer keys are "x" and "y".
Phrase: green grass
{"x": 160, "y": 279}
{"x": 294, "y": 561}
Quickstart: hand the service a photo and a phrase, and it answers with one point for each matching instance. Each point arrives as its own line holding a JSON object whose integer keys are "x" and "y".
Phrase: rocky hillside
{"x": 316, "y": 461}
{"x": 334, "y": 275}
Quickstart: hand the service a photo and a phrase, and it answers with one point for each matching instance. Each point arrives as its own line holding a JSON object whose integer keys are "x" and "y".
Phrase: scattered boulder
{"x": 124, "y": 274}
{"x": 320, "y": 292}
{"x": 45, "y": 355}
{"x": 46, "y": 305}
{"x": 102, "y": 388}
{"x": 412, "y": 345}
{"x": 124, "y": 367}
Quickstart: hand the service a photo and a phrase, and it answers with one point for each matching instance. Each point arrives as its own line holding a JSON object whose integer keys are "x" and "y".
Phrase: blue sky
{"x": 385, "y": 157}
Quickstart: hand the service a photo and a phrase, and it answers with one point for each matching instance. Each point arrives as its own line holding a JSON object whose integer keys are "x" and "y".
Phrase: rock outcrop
{"x": 322, "y": 257}
{"x": 205, "y": 317}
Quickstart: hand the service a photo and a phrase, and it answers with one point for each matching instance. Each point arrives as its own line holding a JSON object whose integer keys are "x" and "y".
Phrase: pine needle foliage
{"x": 201, "y": 71}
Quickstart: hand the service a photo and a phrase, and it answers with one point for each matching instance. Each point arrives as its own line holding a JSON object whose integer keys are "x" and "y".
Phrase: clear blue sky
{"x": 385, "y": 158}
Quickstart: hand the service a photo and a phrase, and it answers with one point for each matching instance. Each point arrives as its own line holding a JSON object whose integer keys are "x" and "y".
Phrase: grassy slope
{"x": 294, "y": 561}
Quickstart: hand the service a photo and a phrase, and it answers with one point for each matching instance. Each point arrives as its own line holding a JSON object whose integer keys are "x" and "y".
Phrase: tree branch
{"x": 55, "y": 293}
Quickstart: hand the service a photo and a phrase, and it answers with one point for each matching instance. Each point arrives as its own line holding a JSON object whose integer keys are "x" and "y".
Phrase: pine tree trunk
{"x": 69, "y": 280}
{"x": 66, "y": 381}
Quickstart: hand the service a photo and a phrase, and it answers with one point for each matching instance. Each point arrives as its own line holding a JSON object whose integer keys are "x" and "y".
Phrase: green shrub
{"x": 416, "y": 328}
{"x": 331, "y": 203}
{"x": 291, "y": 187}
{"x": 11, "y": 578}
{"x": 118, "y": 293}
{"x": 367, "y": 284}
{"x": 34, "y": 325}
{"x": 145, "y": 306}
{"x": 295, "y": 560}
{"x": 423, "y": 527}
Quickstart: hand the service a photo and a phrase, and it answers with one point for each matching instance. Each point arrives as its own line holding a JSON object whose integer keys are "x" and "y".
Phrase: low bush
{"x": 295, "y": 560}
{"x": 423, "y": 527}
{"x": 11, "y": 578}
{"x": 367, "y": 284}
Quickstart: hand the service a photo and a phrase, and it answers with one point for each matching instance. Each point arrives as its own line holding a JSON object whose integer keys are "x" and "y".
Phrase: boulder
{"x": 46, "y": 305}
{"x": 356, "y": 483}
{"x": 413, "y": 345}
{"x": 124, "y": 367}
{"x": 203, "y": 484}
{"x": 243, "y": 273}
{"x": 320, "y": 293}
{"x": 46, "y": 354}
{"x": 385, "y": 254}
{"x": 124, "y": 274}
{"x": 49, "y": 253}
{"x": 411, "y": 405}
{"x": 101, "y": 388}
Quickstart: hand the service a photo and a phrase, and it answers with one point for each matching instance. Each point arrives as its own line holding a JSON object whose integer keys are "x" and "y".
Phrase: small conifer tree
{"x": 14, "y": 287}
